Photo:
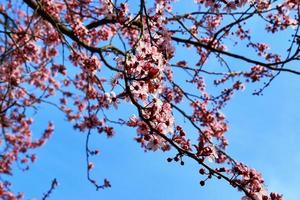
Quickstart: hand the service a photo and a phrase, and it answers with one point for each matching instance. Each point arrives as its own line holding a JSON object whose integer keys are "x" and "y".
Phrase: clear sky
{"x": 264, "y": 133}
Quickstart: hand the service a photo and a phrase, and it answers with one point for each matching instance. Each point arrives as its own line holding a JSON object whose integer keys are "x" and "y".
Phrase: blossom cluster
{"x": 87, "y": 58}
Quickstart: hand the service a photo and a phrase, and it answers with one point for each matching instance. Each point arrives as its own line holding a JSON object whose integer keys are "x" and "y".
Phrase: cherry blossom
{"x": 87, "y": 58}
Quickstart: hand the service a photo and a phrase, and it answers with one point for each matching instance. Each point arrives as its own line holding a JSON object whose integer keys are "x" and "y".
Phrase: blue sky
{"x": 264, "y": 133}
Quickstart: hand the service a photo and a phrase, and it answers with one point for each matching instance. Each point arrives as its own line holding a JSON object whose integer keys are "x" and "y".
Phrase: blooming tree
{"x": 85, "y": 57}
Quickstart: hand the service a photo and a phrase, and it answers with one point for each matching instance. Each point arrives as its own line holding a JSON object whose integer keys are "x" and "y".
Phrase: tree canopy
{"x": 86, "y": 58}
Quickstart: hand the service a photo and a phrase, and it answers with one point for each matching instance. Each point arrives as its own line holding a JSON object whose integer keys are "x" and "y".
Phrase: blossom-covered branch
{"x": 55, "y": 53}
